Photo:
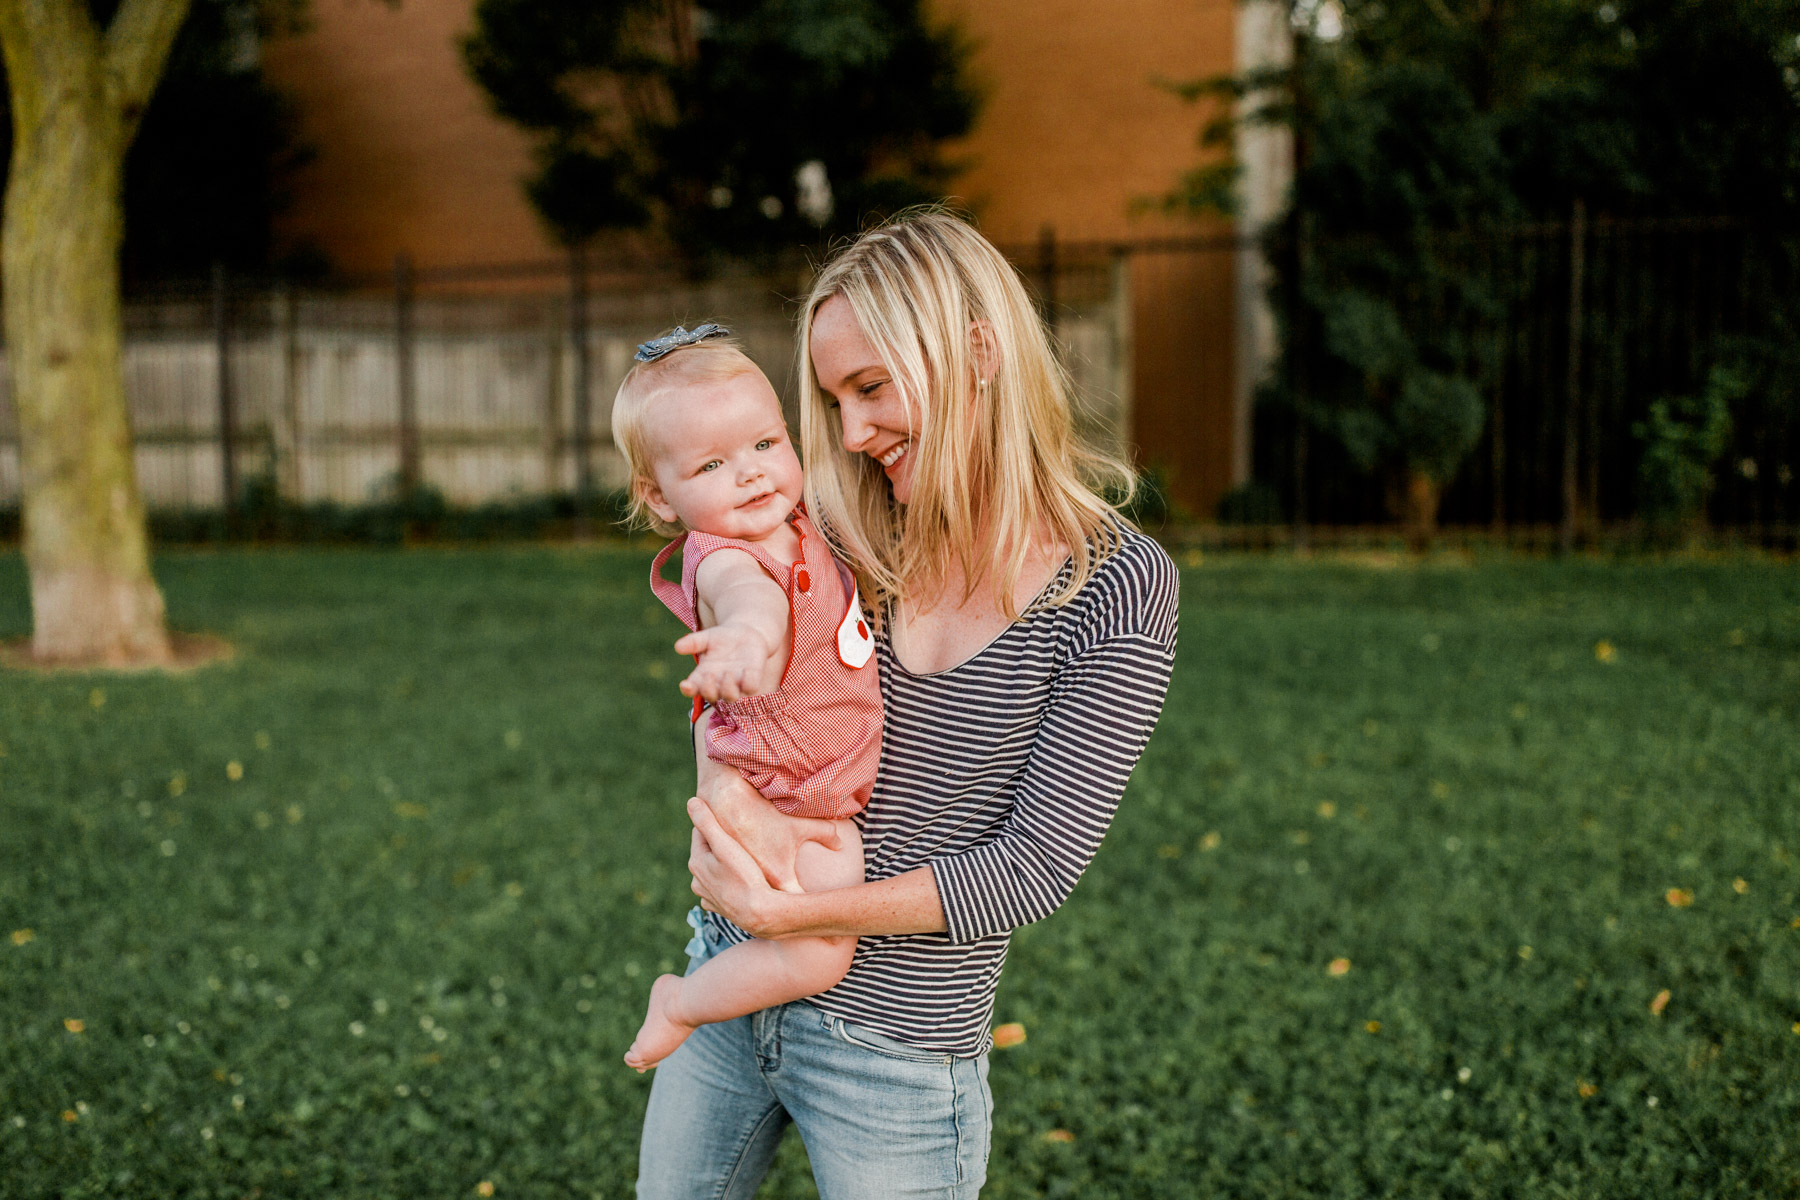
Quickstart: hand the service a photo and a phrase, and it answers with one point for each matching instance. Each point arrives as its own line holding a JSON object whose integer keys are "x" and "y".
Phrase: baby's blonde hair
{"x": 997, "y": 464}
{"x": 713, "y": 361}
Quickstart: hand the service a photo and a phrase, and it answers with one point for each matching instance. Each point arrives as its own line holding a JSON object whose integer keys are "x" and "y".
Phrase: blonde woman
{"x": 1025, "y": 638}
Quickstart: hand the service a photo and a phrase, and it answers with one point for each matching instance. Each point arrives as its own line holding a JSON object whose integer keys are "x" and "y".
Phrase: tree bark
{"x": 76, "y": 97}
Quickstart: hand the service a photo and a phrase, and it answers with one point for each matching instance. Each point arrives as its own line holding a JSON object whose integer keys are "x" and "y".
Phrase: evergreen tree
{"x": 740, "y": 128}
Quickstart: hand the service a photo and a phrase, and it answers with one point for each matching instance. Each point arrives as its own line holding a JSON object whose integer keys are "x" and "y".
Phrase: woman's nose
{"x": 856, "y": 430}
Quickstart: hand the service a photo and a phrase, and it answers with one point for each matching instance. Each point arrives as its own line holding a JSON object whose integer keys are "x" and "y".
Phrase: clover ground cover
{"x": 1449, "y": 881}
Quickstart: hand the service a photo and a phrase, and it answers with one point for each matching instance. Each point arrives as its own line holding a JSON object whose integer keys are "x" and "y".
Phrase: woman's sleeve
{"x": 1104, "y": 704}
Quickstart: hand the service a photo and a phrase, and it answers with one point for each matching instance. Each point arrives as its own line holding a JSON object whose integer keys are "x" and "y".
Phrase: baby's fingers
{"x": 694, "y": 643}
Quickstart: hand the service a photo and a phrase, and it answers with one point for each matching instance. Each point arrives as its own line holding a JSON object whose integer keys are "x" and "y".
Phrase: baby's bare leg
{"x": 757, "y": 974}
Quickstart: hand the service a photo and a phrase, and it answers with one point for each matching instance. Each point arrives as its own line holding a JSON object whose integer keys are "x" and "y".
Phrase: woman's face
{"x": 875, "y": 417}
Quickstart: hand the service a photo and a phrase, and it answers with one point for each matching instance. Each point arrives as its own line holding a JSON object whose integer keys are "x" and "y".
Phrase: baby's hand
{"x": 734, "y": 662}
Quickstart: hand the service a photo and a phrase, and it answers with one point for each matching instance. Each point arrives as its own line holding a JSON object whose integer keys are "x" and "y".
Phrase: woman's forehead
{"x": 840, "y": 348}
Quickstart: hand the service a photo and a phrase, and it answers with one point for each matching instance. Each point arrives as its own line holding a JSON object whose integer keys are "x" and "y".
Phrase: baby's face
{"x": 722, "y": 462}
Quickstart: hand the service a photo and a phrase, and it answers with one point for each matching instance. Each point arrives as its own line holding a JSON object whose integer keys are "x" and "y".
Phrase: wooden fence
{"x": 471, "y": 382}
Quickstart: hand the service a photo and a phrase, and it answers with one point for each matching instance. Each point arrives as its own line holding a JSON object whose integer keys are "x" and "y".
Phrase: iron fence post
{"x": 1571, "y": 464}
{"x": 582, "y": 414}
{"x": 221, "y": 315}
{"x": 403, "y": 374}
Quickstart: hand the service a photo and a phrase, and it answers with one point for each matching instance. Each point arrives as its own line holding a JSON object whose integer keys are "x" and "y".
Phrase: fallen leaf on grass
{"x": 1604, "y": 651}
{"x": 1585, "y": 1089}
{"x": 1009, "y": 1035}
{"x": 74, "y": 1025}
{"x": 1059, "y": 1135}
{"x": 1659, "y": 1003}
{"x": 1740, "y": 886}
{"x": 1338, "y": 966}
{"x": 1372, "y": 1026}
{"x": 1678, "y": 897}
{"x": 21, "y": 936}
{"x": 484, "y": 1188}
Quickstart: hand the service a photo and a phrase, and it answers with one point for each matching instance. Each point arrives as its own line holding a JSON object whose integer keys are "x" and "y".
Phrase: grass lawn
{"x": 1436, "y": 881}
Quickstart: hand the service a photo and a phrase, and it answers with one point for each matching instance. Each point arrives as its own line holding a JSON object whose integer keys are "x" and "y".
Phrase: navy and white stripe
{"x": 1002, "y": 774}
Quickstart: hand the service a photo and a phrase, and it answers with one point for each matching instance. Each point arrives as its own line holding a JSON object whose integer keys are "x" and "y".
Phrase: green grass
{"x": 403, "y": 953}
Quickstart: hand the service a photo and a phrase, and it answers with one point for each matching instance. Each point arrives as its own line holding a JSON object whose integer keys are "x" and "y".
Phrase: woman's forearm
{"x": 903, "y": 904}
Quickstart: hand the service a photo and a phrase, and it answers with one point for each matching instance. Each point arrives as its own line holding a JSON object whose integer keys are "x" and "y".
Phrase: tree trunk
{"x": 77, "y": 95}
{"x": 1423, "y": 493}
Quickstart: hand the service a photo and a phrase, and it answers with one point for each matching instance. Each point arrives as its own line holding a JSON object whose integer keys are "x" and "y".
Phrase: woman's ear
{"x": 984, "y": 349}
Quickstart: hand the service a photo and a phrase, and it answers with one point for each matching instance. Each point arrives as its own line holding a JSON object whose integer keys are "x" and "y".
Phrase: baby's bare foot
{"x": 661, "y": 1034}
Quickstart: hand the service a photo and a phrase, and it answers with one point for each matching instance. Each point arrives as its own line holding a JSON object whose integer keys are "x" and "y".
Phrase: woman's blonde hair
{"x": 714, "y": 360}
{"x": 997, "y": 464}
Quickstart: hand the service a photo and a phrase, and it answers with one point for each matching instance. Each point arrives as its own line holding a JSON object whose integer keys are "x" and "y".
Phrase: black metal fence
{"x": 1587, "y": 324}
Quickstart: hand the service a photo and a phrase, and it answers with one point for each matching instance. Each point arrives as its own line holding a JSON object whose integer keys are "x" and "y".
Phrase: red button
{"x": 862, "y": 630}
{"x": 802, "y": 580}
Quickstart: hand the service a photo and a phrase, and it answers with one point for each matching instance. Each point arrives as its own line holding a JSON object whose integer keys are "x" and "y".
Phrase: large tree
{"x": 79, "y": 86}
{"x": 743, "y": 127}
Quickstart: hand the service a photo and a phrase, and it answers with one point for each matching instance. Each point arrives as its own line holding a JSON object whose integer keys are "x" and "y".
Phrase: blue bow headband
{"x": 676, "y": 339}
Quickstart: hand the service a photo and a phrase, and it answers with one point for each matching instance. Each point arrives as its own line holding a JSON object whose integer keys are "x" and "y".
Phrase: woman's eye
{"x": 869, "y": 389}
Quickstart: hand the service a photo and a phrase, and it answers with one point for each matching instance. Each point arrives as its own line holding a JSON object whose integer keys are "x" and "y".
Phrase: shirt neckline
{"x": 1037, "y": 603}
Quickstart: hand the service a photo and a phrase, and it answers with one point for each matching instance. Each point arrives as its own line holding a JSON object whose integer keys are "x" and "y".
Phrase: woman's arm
{"x": 728, "y": 881}
{"x": 1107, "y": 697}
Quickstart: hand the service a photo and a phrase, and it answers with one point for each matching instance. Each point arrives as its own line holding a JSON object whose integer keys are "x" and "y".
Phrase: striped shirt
{"x": 1002, "y": 774}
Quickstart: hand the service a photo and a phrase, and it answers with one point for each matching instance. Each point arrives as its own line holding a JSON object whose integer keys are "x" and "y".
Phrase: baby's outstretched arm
{"x": 743, "y": 645}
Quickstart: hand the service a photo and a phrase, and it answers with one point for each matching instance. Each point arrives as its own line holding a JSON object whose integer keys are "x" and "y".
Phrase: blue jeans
{"x": 879, "y": 1118}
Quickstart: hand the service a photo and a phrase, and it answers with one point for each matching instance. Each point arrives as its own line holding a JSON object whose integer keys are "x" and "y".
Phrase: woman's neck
{"x": 944, "y": 630}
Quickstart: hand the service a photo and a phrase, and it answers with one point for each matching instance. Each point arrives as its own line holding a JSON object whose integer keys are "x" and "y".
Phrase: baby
{"x": 782, "y": 652}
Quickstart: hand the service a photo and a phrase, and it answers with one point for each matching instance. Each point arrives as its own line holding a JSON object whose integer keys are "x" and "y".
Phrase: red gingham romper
{"x": 811, "y": 746}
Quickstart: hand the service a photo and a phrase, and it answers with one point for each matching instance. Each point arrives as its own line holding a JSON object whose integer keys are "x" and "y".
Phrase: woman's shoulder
{"x": 1134, "y": 590}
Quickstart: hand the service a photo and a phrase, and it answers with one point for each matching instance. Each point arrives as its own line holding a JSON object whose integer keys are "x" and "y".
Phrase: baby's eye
{"x": 765, "y": 443}
{"x": 711, "y": 466}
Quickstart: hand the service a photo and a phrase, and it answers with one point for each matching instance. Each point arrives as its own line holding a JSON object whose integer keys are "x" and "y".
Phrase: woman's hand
{"x": 727, "y": 880}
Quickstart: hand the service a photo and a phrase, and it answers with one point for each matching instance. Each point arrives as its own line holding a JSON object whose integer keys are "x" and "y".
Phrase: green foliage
{"x": 1683, "y": 440}
{"x": 752, "y": 126}
{"x": 205, "y": 177}
{"x": 415, "y": 933}
{"x": 1252, "y": 503}
{"x": 1423, "y": 125}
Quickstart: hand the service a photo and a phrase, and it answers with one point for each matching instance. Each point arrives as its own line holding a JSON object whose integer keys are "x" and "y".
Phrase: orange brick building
{"x": 1075, "y": 135}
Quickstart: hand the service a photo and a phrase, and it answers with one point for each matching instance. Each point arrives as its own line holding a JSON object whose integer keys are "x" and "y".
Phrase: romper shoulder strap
{"x": 695, "y": 548}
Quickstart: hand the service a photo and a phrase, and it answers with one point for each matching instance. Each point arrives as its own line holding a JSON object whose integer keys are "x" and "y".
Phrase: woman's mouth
{"x": 893, "y": 456}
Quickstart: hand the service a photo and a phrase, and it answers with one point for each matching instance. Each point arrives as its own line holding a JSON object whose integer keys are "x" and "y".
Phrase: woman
{"x": 1025, "y": 643}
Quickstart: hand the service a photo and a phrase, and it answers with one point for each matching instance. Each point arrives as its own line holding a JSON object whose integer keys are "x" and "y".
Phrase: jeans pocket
{"x": 887, "y": 1047}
